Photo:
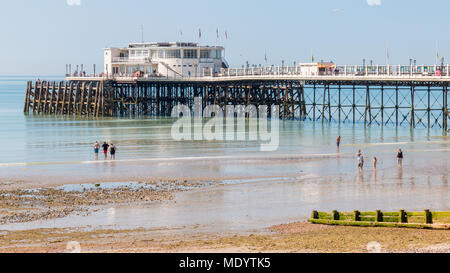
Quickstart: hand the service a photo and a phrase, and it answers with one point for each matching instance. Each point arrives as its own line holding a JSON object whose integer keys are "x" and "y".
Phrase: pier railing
{"x": 342, "y": 70}
{"x": 359, "y": 71}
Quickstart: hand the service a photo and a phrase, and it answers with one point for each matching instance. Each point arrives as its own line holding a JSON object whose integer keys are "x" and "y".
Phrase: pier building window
{"x": 158, "y": 54}
{"x": 173, "y": 54}
{"x": 218, "y": 54}
{"x": 138, "y": 53}
{"x": 204, "y": 53}
{"x": 154, "y": 54}
{"x": 190, "y": 54}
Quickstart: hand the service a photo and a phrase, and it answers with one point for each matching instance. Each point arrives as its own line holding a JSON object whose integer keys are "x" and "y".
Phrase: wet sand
{"x": 232, "y": 197}
{"x": 38, "y": 204}
{"x": 297, "y": 237}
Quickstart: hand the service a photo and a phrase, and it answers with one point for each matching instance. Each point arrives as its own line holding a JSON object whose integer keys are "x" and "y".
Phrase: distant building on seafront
{"x": 174, "y": 59}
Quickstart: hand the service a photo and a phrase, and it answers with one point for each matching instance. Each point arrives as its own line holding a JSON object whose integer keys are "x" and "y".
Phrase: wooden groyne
{"x": 378, "y": 218}
{"x": 415, "y": 102}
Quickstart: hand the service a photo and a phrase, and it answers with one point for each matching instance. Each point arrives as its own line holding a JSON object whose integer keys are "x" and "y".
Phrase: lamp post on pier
{"x": 410, "y": 67}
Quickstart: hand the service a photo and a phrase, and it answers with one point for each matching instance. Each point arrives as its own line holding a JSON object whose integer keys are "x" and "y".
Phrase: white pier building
{"x": 175, "y": 59}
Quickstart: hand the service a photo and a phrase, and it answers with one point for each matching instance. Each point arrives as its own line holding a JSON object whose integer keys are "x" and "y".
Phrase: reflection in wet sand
{"x": 400, "y": 174}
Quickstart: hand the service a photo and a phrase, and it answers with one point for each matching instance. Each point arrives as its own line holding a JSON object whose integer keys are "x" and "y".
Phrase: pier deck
{"x": 407, "y": 79}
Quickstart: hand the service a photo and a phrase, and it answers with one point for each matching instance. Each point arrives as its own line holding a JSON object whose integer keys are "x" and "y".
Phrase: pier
{"x": 381, "y": 96}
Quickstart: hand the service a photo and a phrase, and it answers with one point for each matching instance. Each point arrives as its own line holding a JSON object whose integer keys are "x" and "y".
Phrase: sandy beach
{"x": 227, "y": 213}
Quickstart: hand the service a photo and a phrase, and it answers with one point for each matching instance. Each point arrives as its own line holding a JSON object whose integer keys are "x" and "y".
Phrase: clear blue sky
{"x": 40, "y": 37}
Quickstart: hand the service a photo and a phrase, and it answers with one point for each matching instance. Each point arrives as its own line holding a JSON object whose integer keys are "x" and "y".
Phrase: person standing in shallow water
{"x": 105, "y": 149}
{"x": 338, "y": 141}
{"x": 96, "y": 149}
{"x": 360, "y": 159}
{"x": 361, "y": 162}
{"x": 112, "y": 151}
{"x": 399, "y": 157}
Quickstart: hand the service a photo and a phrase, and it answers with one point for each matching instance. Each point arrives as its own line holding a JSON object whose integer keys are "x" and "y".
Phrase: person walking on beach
{"x": 338, "y": 141}
{"x": 105, "y": 149}
{"x": 360, "y": 159}
{"x": 112, "y": 151}
{"x": 361, "y": 162}
{"x": 375, "y": 160}
{"x": 96, "y": 149}
{"x": 399, "y": 157}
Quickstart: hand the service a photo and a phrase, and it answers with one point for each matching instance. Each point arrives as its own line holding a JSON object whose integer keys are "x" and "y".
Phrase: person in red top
{"x": 105, "y": 149}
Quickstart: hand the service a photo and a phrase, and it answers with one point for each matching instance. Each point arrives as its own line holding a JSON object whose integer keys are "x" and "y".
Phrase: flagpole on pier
{"x": 217, "y": 36}
{"x": 265, "y": 57}
{"x": 226, "y": 39}
{"x": 387, "y": 58}
{"x": 437, "y": 53}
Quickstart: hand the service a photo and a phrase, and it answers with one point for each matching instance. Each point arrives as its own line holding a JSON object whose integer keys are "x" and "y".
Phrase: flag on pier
{"x": 217, "y": 33}
{"x": 226, "y": 35}
{"x": 437, "y": 53}
{"x": 387, "y": 55}
{"x": 199, "y": 33}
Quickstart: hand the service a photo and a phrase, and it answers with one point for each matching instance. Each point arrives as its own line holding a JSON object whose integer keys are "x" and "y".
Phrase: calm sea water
{"x": 36, "y": 138}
